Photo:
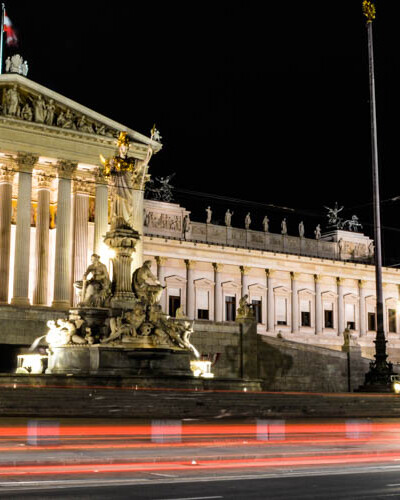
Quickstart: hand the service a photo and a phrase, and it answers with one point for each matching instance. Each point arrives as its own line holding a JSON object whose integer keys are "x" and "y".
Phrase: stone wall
{"x": 292, "y": 366}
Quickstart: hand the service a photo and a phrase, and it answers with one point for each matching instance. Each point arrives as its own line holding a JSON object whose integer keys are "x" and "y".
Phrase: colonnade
{"x": 316, "y": 291}
{"x": 71, "y": 244}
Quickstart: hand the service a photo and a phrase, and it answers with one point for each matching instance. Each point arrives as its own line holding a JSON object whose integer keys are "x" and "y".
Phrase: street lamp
{"x": 377, "y": 379}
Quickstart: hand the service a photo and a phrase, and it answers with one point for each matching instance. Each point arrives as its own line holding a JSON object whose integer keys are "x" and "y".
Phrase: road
{"x": 367, "y": 482}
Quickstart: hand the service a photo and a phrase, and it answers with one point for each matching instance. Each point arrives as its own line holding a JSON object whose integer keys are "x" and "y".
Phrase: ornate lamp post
{"x": 378, "y": 377}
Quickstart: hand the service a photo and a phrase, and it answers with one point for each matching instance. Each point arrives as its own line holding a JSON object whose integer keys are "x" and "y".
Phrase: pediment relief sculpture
{"x": 21, "y": 104}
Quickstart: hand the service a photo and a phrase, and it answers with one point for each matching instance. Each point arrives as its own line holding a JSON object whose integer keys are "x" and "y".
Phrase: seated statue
{"x": 97, "y": 289}
{"x": 145, "y": 285}
{"x": 245, "y": 309}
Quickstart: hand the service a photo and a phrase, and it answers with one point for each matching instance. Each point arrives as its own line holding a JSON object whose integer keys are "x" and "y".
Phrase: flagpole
{"x": 1, "y": 37}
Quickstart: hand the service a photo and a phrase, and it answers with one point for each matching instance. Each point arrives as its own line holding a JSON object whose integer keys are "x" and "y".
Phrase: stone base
{"x": 107, "y": 360}
{"x": 20, "y": 301}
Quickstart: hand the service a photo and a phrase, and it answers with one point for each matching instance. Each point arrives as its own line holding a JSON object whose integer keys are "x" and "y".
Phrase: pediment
{"x": 30, "y": 105}
{"x": 204, "y": 283}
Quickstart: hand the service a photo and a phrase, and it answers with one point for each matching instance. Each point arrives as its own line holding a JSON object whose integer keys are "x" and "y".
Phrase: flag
{"x": 11, "y": 37}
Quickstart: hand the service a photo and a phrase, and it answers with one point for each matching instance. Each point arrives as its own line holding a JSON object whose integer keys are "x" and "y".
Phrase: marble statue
{"x": 27, "y": 113}
{"x": 16, "y": 64}
{"x": 8, "y": 64}
{"x": 353, "y": 224}
{"x": 50, "y": 111}
{"x": 145, "y": 285}
{"x": 228, "y": 218}
{"x": 63, "y": 332}
{"x": 247, "y": 221}
{"x": 39, "y": 110}
{"x": 68, "y": 121}
{"x": 11, "y": 101}
{"x": 24, "y": 68}
{"x": 209, "y": 215}
{"x": 340, "y": 246}
{"x": 155, "y": 135}
{"x": 84, "y": 126}
{"x": 301, "y": 229}
{"x": 187, "y": 227}
{"x": 265, "y": 223}
{"x": 317, "y": 232}
{"x": 284, "y": 226}
{"x": 97, "y": 288}
{"x": 176, "y": 331}
{"x": 164, "y": 192}
{"x": 125, "y": 327}
{"x": 60, "y": 119}
{"x": 245, "y": 309}
{"x": 333, "y": 219}
{"x": 371, "y": 249}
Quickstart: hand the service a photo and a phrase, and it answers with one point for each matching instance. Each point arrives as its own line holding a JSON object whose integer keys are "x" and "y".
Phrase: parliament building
{"x": 54, "y": 213}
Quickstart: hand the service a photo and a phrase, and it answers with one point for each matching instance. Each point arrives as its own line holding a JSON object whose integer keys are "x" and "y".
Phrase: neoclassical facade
{"x": 54, "y": 212}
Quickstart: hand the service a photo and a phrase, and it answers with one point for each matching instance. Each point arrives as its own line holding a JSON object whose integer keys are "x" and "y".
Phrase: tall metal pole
{"x": 378, "y": 377}
{"x": 3, "y": 8}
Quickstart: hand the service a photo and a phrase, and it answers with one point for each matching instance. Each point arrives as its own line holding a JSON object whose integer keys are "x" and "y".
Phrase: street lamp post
{"x": 377, "y": 379}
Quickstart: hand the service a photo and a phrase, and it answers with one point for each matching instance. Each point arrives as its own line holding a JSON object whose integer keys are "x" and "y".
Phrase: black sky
{"x": 261, "y": 101}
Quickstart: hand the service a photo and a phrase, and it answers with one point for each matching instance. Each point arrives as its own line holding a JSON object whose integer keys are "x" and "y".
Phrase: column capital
{"x": 269, "y": 273}
{"x": 317, "y": 278}
{"x": 66, "y": 168}
{"x": 6, "y": 175}
{"x": 82, "y": 186}
{"x": 160, "y": 260}
{"x": 294, "y": 276}
{"x": 339, "y": 280}
{"x": 25, "y": 162}
{"x": 361, "y": 283}
{"x": 245, "y": 270}
{"x": 189, "y": 264}
{"x": 99, "y": 176}
{"x": 217, "y": 266}
{"x": 43, "y": 180}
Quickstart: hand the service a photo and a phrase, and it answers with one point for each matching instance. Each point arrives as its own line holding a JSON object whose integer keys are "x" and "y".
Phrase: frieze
{"x": 30, "y": 107}
{"x": 154, "y": 220}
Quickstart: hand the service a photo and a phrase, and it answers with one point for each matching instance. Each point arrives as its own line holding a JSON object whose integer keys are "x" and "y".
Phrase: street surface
{"x": 198, "y": 460}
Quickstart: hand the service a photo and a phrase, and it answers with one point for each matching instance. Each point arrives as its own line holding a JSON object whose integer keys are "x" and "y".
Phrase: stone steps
{"x": 117, "y": 402}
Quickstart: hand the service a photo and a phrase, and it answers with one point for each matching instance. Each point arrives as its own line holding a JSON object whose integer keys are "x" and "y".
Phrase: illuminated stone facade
{"x": 54, "y": 213}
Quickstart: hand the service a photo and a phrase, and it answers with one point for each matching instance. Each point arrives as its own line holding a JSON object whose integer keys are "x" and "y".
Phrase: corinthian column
{"x": 100, "y": 214}
{"x": 161, "y": 278}
{"x": 244, "y": 272}
{"x": 24, "y": 163}
{"x": 190, "y": 289}
{"x": 340, "y": 322}
{"x": 295, "y": 304}
{"x": 363, "y": 319}
{"x": 270, "y": 301}
{"x": 217, "y": 292}
{"x": 6, "y": 179}
{"x": 318, "y": 305}
{"x": 62, "y": 271}
{"x": 42, "y": 240}
{"x": 81, "y": 190}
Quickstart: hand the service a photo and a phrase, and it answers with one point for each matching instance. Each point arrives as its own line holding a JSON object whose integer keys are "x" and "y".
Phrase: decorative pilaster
{"x": 81, "y": 190}
{"x": 100, "y": 214}
{"x": 161, "y": 278}
{"x": 24, "y": 163}
{"x": 42, "y": 240}
{"x": 295, "y": 303}
{"x": 190, "y": 313}
{"x": 6, "y": 180}
{"x": 318, "y": 305}
{"x": 361, "y": 295}
{"x": 218, "y": 312}
{"x": 270, "y": 301}
{"x": 244, "y": 272}
{"x": 340, "y": 321}
{"x": 62, "y": 271}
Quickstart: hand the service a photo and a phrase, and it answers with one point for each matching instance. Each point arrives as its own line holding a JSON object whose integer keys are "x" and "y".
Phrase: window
{"x": 371, "y": 321}
{"x": 202, "y": 304}
{"x": 257, "y": 310}
{"x": 350, "y": 316}
{"x": 328, "y": 315}
{"x": 174, "y": 302}
{"x": 281, "y": 311}
{"x": 305, "y": 308}
{"x": 392, "y": 320}
{"x": 202, "y": 314}
{"x": 230, "y": 308}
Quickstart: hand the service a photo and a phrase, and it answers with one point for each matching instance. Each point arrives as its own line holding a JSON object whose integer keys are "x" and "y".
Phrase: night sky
{"x": 265, "y": 102}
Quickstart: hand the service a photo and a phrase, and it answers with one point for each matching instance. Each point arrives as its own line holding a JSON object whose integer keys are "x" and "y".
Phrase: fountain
{"x": 118, "y": 327}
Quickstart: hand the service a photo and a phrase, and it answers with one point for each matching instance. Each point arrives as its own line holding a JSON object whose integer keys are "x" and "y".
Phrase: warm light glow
{"x": 396, "y": 387}
{"x": 201, "y": 369}
{"x": 30, "y": 363}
